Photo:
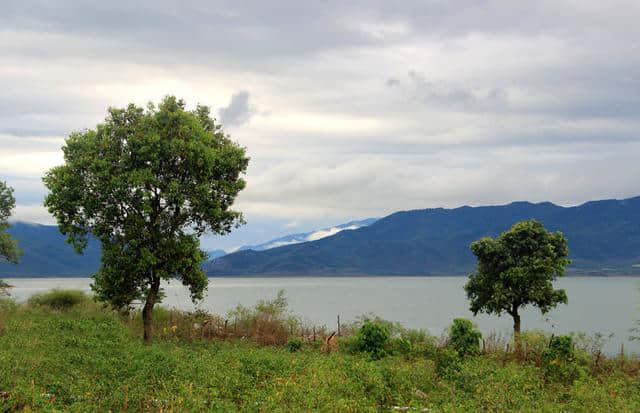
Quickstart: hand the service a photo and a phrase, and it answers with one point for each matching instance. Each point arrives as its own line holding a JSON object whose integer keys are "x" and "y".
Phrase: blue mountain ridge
{"x": 47, "y": 254}
{"x": 603, "y": 236}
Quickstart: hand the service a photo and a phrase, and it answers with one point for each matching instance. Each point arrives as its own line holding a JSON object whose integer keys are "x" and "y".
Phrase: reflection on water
{"x": 605, "y": 305}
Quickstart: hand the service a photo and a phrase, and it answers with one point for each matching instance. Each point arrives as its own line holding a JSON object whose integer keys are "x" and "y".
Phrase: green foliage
{"x": 448, "y": 362}
{"x": 517, "y": 269}
{"x": 4, "y": 289}
{"x": 294, "y": 344}
{"x": 559, "y": 359}
{"x": 9, "y": 250}
{"x": 409, "y": 343}
{"x": 372, "y": 339}
{"x": 464, "y": 337}
{"x": 147, "y": 184}
{"x": 88, "y": 359}
{"x": 59, "y": 299}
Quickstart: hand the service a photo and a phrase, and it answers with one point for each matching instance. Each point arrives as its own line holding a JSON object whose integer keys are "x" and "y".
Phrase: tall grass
{"x": 269, "y": 322}
{"x": 92, "y": 359}
{"x": 59, "y": 299}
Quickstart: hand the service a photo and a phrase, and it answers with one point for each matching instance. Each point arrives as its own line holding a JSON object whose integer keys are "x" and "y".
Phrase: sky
{"x": 348, "y": 110}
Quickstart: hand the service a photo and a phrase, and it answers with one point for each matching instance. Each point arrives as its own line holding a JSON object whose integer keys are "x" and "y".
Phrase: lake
{"x": 596, "y": 304}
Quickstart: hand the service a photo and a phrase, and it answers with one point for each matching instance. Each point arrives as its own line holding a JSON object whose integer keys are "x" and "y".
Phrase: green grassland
{"x": 77, "y": 356}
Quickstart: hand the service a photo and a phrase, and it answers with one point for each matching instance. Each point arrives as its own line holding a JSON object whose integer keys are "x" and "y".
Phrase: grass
{"x": 85, "y": 358}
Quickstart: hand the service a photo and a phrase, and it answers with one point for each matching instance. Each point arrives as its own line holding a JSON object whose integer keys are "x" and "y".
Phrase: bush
{"x": 464, "y": 337}
{"x": 447, "y": 362}
{"x": 4, "y": 289}
{"x": 294, "y": 344}
{"x": 372, "y": 339}
{"x": 269, "y": 322}
{"x": 559, "y": 360}
{"x": 58, "y": 299}
{"x": 400, "y": 346}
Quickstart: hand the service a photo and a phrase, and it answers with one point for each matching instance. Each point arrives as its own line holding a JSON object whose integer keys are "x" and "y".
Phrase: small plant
{"x": 447, "y": 362}
{"x": 464, "y": 337}
{"x": 559, "y": 361}
{"x": 401, "y": 346}
{"x": 294, "y": 344}
{"x": 58, "y": 299}
{"x": 372, "y": 339}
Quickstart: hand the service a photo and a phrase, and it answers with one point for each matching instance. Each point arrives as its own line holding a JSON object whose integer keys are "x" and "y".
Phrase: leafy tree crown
{"x": 9, "y": 250}
{"x": 147, "y": 183}
{"x": 517, "y": 269}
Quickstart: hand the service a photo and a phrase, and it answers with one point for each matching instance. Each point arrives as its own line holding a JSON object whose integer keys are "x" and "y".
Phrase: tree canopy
{"x": 147, "y": 183}
{"x": 9, "y": 250}
{"x": 517, "y": 269}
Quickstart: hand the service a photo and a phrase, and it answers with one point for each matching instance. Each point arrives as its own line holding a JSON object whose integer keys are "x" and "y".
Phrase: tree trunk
{"x": 516, "y": 329}
{"x": 516, "y": 323}
{"x": 147, "y": 311}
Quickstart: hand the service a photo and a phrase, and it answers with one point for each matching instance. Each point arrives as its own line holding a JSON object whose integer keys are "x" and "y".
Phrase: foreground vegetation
{"x": 61, "y": 351}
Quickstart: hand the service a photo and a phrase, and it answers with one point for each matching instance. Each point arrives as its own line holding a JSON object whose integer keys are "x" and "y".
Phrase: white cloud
{"x": 365, "y": 108}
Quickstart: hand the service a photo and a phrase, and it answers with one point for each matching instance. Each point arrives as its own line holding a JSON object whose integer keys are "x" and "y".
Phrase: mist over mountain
{"x": 308, "y": 236}
{"x": 604, "y": 238}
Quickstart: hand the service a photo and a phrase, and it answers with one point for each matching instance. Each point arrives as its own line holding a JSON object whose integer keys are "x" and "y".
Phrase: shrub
{"x": 447, "y": 362}
{"x": 400, "y": 346}
{"x": 4, "y": 289}
{"x": 269, "y": 322}
{"x": 57, "y": 299}
{"x": 559, "y": 361}
{"x": 464, "y": 337}
{"x": 372, "y": 339}
{"x": 294, "y": 344}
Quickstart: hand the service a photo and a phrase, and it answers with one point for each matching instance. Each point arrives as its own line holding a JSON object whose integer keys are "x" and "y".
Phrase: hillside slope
{"x": 604, "y": 237}
{"x": 46, "y": 253}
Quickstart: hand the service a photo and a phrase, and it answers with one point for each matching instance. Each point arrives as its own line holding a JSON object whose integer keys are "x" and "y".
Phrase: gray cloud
{"x": 239, "y": 111}
{"x": 374, "y": 106}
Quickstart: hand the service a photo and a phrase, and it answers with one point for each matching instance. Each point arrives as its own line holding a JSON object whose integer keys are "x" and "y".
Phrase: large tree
{"x": 147, "y": 184}
{"x": 517, "y": 269}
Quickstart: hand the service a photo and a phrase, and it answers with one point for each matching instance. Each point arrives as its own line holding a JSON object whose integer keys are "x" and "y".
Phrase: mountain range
{"x": 603, "y": 236}
{"x": 47, "y": 254}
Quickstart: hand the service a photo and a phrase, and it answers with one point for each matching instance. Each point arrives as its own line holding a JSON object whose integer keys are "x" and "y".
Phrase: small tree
{"x": 464, "y": 337}
{"x": 147, "y": 184}
{"x": 9, "y": 251}
{"x": 517, "y": 269}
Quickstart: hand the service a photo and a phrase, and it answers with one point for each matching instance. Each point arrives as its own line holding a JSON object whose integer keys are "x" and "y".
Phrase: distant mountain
{"x": 46, "y": 253}
{"x": 213, "y": 254}
{"x": 308, "y": 236}
{"x": 604, "y": 238}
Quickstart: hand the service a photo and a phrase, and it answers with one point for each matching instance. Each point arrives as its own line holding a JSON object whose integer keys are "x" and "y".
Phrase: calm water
{"x": 605, "y": 305}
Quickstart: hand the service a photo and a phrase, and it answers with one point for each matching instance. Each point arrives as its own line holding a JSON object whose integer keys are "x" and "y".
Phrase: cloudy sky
{"x": 348, "y": 109}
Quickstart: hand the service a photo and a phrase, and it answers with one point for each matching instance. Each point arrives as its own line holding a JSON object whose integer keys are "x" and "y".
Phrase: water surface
{"x": 596, "y": 304}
